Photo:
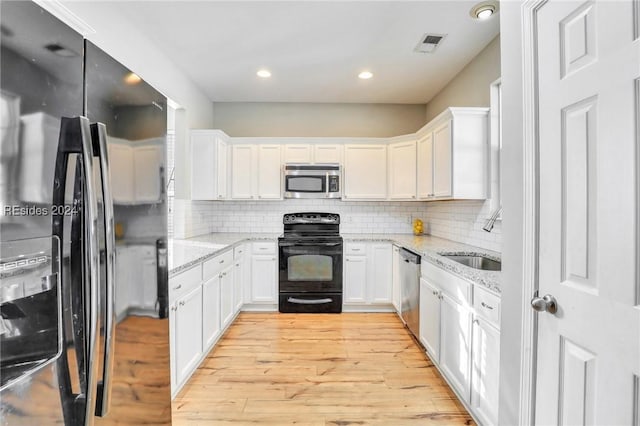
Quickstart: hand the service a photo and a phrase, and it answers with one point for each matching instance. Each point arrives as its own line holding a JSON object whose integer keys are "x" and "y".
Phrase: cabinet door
{"x": 263, "y": 278}
{"x": 188, "y": 321}
{"x": 396, "y": 281}
{"x": 355, "y": 279}
{"x": 269, "y": 172}
{"x": 328, "y": 153}
{"x": 365, "y": 172}
{"x": 239, "y": 272}
{"x": 210, "y": 311}
{"x": 379, "y": 283}
{"x": 430, "y": 319}
{"x": 425, "y": 166}
{"x": 486, "y": 371}
{"x": 442, "y": 160}
{"x": 221, "y": 169}
{"x": 172, "y": 346}
{"x": 226, "y": 296}
{"x": 148, "y": 282}
{"x": 125, "y": 269}
{"x": 402, "y": 170}
{"x": 203, "y": 176}
{"x": 147, "y": 161}
{"x": 455, "y": 344}
{"x": 297, "y": 153}
{"x": 121, "y": 173}
{"x": 244, "y": 163}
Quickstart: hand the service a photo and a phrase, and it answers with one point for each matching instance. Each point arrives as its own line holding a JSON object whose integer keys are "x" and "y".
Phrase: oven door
{"x": 310, "y": 266}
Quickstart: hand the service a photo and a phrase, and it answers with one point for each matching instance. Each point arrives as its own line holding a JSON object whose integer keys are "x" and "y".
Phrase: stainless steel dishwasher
{"x": 410, "y": 284}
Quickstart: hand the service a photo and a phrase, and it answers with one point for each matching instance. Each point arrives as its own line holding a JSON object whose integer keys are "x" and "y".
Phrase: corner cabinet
{"x": 402, "y": 171}
{"x": 453, "y": 153}
{"x": 209, "y": 165}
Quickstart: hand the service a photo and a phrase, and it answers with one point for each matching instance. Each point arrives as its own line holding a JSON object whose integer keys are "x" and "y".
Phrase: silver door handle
{"x": 103, "y": 398}
{"x": 178, "y": 287}
{"x": 484, "y": 305}
{"x": 547, "y": 303}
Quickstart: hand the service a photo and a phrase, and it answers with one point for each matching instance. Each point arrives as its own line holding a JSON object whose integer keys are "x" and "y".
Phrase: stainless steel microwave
{"x": 302, "y": 180}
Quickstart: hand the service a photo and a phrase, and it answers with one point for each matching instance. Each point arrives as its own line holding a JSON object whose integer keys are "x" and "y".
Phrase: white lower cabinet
{"x": 264, "y": 273}
{"x": 396, "y": 280}
{"x": 355, "y": 279}
{"x": 462, "y": 338}
{"x": 368, "y": 275}
{"x": 210, "y": 311}
{"x": 227, "y": 306}
{"x": 430, "y": 319}
{"x": 455, "y": 344}
{"x": 486, "y": 371}
{"x": 187, "y": 333}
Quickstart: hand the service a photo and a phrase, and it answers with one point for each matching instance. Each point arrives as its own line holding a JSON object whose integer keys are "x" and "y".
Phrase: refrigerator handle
{"x": 103, "y": 398}
{"x": 75, "y": 138}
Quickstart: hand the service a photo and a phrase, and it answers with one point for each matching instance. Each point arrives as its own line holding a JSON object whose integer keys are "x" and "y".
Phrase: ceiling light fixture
{"x": 132, "y": 78}
{"x": 484, "y": 10}
{"x": 264, "y": 73}
{"x": 365, "y": 75}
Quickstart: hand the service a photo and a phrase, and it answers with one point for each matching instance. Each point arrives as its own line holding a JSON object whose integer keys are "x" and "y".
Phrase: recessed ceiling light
{"x": 365, "y": 75}
{"x": 484, "y": 10}
{"x": 132, "y": 78}
{"x": 264, "y": 73}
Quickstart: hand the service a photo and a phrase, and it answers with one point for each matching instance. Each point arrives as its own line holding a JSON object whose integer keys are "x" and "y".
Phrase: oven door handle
{"x": 309, "y": 301}
{"x": 293, "y": 244}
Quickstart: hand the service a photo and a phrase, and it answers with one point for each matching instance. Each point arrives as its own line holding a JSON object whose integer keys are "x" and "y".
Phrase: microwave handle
{"x": 326, "y": 184}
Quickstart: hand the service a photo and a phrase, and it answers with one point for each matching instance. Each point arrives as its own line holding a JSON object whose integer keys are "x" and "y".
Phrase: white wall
{"x": 317, "y": 119}
{"x": 512, "y": 185}
{"x": 470, "y": 87}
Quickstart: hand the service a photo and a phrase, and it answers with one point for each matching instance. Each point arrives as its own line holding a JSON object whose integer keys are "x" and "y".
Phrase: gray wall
{"x": 317, "y": 119}
{"x": 470, "y": 87}
{"x": 511, "y": 173}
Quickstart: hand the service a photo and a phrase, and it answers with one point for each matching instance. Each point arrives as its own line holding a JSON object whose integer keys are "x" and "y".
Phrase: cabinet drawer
{"x": 239, "y": 251}
{"x": 183, "y": 282}
{"x": 456, "y": 287}
{"x": 212, "y": 266}
{"x": 264, "y": 248}
{"x": 355, "y": 248}
{"x": 486, "y": 305}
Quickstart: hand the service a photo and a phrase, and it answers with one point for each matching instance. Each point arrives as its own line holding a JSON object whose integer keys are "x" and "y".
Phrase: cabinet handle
{"x": 219, "y": 196}
{"x": 178, "y": 287}
{"x": 181, "y": 303}
{"x": 237, "y": 264}
{"x": 273, "y": 258}
{"x": 475, "y": 321}
{"x": 174, "y": 308}
{"x": 413, "y": 196}
{"x": 222, "y": 261}
{"x": 435, "y": 293}
{"x": 346, "y": 260}
{"x": 220, "y": 275}
{"x": 355, "y": 249}
{"x": 484, "y": 305}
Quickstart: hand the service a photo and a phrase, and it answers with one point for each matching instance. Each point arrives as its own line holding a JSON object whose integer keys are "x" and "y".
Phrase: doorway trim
{"x": 530, "y": 232}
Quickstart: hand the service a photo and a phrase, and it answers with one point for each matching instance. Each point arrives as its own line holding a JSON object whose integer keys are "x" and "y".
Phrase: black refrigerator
{"x": 84, "y": 333}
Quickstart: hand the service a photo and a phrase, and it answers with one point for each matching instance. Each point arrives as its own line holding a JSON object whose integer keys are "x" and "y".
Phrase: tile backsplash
{"x": 460, "y": 221}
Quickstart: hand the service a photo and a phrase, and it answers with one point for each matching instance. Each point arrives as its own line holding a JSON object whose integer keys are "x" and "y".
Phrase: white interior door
{"x": 588, "y": 357}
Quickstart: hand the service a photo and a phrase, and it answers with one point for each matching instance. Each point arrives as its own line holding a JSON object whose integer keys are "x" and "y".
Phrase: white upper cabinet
{"x": 147, "y": 162}
{"x": 365, "y": 172}
{"x": 209, "y": 159}
{"x": 269, "y": 172}
{"x": 244, "y": 162}
{"x": 298, "y": 153}
{"x": 402, "y": 171}
{"x": 327, "y": 153}
{"x": 425, "y": 166}
{"x": 121, "y": 171}
{"x": 453, "y": 154}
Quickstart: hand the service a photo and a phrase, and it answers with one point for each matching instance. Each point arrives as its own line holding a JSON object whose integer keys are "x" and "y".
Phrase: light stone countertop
{"x": 432, "y": 247}
{"x": 186, "y": 253}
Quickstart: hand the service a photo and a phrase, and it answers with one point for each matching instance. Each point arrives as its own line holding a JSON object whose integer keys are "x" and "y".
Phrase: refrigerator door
{"x": 135, "y": 119}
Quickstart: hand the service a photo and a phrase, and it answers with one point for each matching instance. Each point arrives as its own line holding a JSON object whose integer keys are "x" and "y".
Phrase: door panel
{"x": 588, "y": 352}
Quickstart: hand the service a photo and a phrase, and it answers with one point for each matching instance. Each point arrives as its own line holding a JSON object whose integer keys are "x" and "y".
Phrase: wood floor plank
{"x": 306, "y": 369}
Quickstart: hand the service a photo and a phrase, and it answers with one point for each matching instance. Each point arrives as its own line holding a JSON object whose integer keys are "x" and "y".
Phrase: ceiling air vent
{"x": 429, "y": 43}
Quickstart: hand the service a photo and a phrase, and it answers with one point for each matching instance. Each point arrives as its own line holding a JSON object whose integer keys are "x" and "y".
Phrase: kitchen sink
{"x": 477, "y": 262}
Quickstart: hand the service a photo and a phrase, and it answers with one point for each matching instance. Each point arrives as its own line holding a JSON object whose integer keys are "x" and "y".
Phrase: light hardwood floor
{"x": 317, "y": 369}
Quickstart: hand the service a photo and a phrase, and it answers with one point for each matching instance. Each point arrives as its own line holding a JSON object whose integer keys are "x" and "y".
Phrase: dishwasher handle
{"x": 409, "y": 256}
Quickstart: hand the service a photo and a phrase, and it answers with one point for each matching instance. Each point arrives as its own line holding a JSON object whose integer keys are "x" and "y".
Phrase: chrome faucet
{"x": 488, "y": 226}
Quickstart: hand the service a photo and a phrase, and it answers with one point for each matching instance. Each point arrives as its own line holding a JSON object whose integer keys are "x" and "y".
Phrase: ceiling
{"x": 314, "y": 49}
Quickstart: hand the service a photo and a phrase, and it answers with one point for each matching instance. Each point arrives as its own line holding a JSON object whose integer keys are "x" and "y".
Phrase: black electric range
{"x": 310, "y": 263}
